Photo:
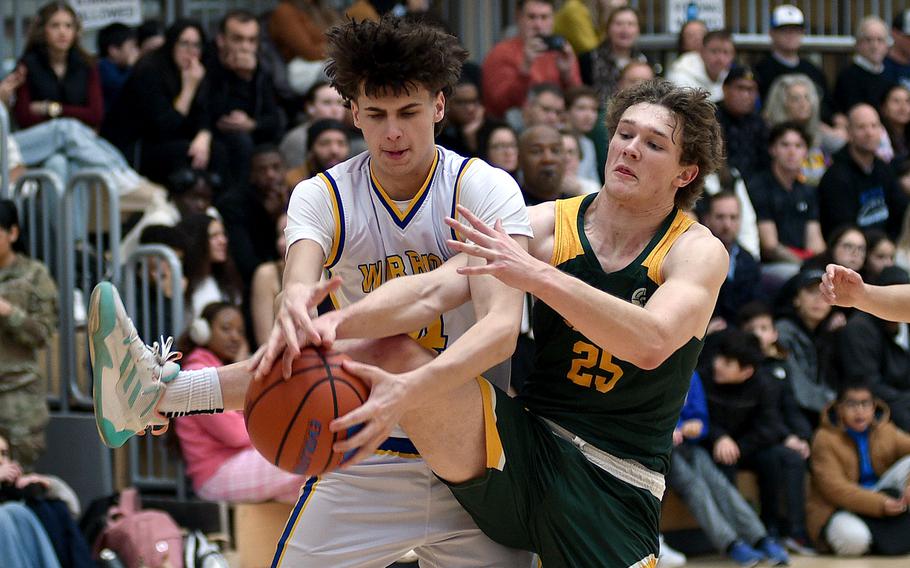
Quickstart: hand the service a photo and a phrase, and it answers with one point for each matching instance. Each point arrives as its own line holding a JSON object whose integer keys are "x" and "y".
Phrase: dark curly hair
{"x": 391, "y": 57}
{"x": 700, "y": 136}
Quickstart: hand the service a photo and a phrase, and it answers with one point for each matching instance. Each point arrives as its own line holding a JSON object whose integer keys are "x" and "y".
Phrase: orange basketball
{"x": 288, "y": 420}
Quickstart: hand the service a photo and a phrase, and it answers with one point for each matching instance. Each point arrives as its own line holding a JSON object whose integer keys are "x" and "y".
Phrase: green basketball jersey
{"x": 608, "y": 402}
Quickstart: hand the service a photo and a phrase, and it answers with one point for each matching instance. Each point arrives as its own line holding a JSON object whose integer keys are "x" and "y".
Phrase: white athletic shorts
{"x": 370, "y": 515}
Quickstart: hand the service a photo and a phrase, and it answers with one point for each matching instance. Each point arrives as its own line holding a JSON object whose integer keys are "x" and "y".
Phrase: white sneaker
{"x": 128, "y": 375}
{"x": 669, "y": 557}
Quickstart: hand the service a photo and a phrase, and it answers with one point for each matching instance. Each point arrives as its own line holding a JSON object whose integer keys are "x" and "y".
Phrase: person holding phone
{"x": 532, "y": 57}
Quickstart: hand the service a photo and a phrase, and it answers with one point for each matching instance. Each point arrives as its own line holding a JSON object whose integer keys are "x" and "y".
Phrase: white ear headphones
{"x": 200, "y": 332}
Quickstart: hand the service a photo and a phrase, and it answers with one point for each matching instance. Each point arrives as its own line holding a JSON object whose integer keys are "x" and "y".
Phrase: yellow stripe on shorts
{"x": 496, "y": 457}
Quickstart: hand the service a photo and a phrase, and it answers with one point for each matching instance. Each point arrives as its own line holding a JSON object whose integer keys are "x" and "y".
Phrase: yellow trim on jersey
{"x": 654, "y": 262}
{"x": 649, "y": 561}
{"x": 336, "y": 213}
{"x": 296, "y": 521}
{"x": 458, "y": 193}
{"x": 402, "y": 215}
{"x": 496, "y": 457}
{"x": 395, "y": 454}
{"x": 566, "y": 241}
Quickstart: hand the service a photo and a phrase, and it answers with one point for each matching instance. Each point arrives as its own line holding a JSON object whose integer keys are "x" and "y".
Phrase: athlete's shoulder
{"x": 697, "y": 250}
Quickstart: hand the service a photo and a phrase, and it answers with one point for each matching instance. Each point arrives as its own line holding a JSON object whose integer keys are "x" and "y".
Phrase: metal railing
{"x": 151, "y": 463}
{"x": 4, "y": 152}
{"x": 33, "y": 193}
{"x": 90, "y": 202}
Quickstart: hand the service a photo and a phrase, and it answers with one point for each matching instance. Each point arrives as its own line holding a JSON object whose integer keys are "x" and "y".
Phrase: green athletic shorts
{"x": 540, "y": 493}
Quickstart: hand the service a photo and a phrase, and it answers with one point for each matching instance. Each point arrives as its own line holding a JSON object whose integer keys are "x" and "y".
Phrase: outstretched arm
{"x": 488, "y": 342}
{"x": 680, "y": 309}
{"x": 401, "y": 305}
{"x": 844, "y": 287}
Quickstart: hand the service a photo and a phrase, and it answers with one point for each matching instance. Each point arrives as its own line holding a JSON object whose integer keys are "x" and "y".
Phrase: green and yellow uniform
{"x": 540, "y": 492}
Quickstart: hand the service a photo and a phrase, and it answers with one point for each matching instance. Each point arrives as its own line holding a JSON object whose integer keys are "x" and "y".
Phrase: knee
{"x": 848, "y": 535}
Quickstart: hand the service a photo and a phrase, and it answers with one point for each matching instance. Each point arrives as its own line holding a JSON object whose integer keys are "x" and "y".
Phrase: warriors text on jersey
{"x": 612, "y": 404}
{"x": 369, "y": 238}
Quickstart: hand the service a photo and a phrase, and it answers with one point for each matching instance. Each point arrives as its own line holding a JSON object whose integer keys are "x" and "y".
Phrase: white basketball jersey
{"x": 369, "y": 238}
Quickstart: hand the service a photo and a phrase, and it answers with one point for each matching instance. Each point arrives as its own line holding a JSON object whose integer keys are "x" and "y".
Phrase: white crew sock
{"x": 192, "y": 392}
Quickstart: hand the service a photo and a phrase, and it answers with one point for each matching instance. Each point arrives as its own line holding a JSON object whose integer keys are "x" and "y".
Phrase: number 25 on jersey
{"x": 594, "y": 367}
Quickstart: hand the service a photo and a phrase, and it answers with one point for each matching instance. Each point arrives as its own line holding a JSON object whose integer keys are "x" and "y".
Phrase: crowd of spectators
{"x": 210, "y": 132}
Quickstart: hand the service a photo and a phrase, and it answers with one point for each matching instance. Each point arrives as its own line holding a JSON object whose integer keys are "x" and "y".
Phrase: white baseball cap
{"x": 787, "y": 15}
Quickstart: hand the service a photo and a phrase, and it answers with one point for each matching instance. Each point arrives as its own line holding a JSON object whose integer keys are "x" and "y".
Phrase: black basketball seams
{"x": 331, "y": 378}
{"x": 290, "y": 425}
{"x": 350, "y": 385}
{"x": 294, "y": 372}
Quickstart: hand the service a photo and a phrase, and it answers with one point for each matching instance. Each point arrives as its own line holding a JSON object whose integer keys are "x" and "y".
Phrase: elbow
{"x": 652, "y": 352}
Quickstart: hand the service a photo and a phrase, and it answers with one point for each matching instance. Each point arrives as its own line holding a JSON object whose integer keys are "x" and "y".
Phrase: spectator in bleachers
{"x": 582, "y": 110}
{"x": 723, "y": 218}
{"x": 361, "y": 10}
{"x": 298, "y": 29}
{"x": 873, "y": 350}
{"x": 708, "y": 67}
{"x": 208, "y": 266}
{"x": 243, "y": 104}
{"x": 864, "y": 80}
{"x": 880, "y": 251}
{"x": 497, "y": 144}
{"x": 746, "y": 428}
{"x": 895, "y": 111}
{"x": 572, "y": 182}
{"x": 723, "y": 514}
{"x": 897, "y": 63}
{"x": 61, "y": 77}
{"x": 788, "y": 27}
{"x": 189, "y": 192}
{"x": 267, "y": 283}
{"x": 745, "y": 431}
{"x": 545, "y": 104}
{"x": 250, "y": 215}
{"x": 220, "y": 459}
{"x": 51, "y": 501}
{"x": 327, "y": 145}
{"x": 321, "y": 101}
{"x": 757, "y": 318}
{"x": 860, "y": 469}
{"x": 786, "y": 208}
{"x": 149, "y": 36}
{"x": 117, "y": 53}
{"x": 28, "y": 320}
{"x": 601, "y": 67}
{"x": 164, "y": 106}
{"x": 691, "y": 37}
{"x": 464, "y": 117}
{"x": 633, "y": 73}
{"x": 575, "y": 22}
{"x": 846, "y": 245}
{"x": 726, "y": 180}
{"x": 516, "y": 64}
{"x": 745, "y": 133}
{"x": 803, "y": 333}
{"x": 858, "y": 187}
{"x": 793, "y": 98}
{"x": 542, "y": 165}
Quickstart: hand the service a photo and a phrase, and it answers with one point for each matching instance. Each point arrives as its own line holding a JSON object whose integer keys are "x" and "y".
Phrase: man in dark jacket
{"x": 722, "y": 217}
{"x": 243, "y": 99}
{"x": 874, "y": 350}
{"x": 859, "y": 188}
{"x": 744, "y": 129}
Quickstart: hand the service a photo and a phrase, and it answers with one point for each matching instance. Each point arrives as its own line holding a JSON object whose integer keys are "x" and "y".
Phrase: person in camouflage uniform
{"x": 28, "y": 318}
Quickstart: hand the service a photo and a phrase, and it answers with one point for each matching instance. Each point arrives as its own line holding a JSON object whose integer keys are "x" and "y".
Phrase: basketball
{"x": 288, "y": 420}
